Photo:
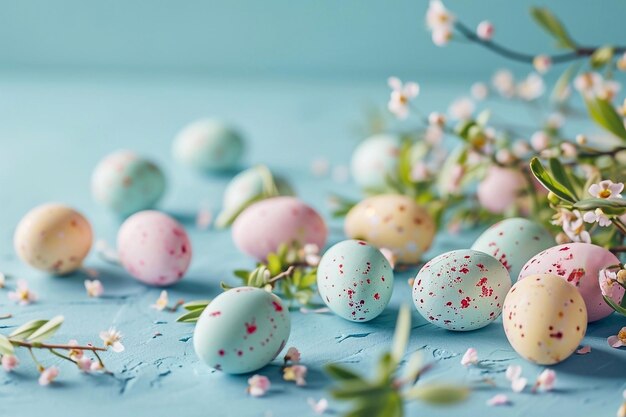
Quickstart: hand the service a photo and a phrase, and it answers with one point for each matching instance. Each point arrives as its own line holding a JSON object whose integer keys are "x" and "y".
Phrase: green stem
{"x": 40, "y": 367}
{"x": 619, "y": 224}
{"x": 54, "y": 352}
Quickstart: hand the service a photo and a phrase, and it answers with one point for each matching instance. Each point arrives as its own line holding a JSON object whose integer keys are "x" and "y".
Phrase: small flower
{"x": 401, "y": 96}
{"x": 161, "y": 302}
{"x": 9, "y": 362}
{"x": 608, "y": 283}
{"x": 22, "y": 295}
{"x": 581, "y": 139}
{"x": 504, "y": 157}
{"x": 546, "y": 380}
{"x": 112, "y": 338}
{"x": 311, "y": 254}
{"x": 479, "y": 91}
{"x": 437, "y": 16}
{"x": 499, "y": 399}
{"x": 470, "y": 357}
{"x": 461, "y": 109}
{"x": 597, "y": 216}
{"x": 295, "y": 373}
{"x": 531, "y": 88}
{"x": 436, "y": 119}
{"x": 569, "y": 150}
{"x": 618, "y": 340}
{"x": 318, "y": 407}
{"x": 258, "y": 385}
{"x": 561, "y": 238}
{"x": 540, "y": 140}
{"x": 542, "y": 63}
{"x": 583, "y": 350}
{"x": 606, "y": 189}
{"x": 94, "y": 288}
{"x": 608, "y": 89}
{"x": 84, "y": 364}
{"x": 48, "y": 375}
{"x": 504, "y": 83}
{"x": 485, "y": 30}
{"x": 520, "y": 148}
{"x": 587, "y": 83}
{"x": 204, "y": 218}
{"x": 96, "y": 366}
{"x": 292, "y": 355}
{"x": 441, "y": 36}
{"x": 514, "y": 374}
{"x": 75, "y": 354}
{"x": 574, "y": 227}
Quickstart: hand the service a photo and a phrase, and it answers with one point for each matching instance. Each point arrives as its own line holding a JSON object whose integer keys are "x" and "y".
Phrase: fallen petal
{"x": 499, "y": 399}
{"x": 583, "y": 350}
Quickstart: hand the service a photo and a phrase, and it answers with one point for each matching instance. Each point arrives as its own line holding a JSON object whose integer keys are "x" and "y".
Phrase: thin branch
{"x": 48, "y": 346}
{"x": 282, "y": 275}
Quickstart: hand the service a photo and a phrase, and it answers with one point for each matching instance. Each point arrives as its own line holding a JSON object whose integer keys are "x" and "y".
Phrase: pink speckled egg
{"x": 154, "y": 248}
{"x": 264, "y": 226}
{"x": 579, "y": 264}
{"x": 544, "y": 318}
{"x": 498, "y": 191}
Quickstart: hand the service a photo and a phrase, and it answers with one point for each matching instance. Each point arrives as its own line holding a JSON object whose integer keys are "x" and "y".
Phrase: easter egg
{"x": 579, "y": 264}
{"x": 500, "y": 188}
{"x": 53, "y": 238}
{"x": 208, "y": 145}
{"x": 544, "y": 318}
{"x": 154, "y": 248}
{"x": 247, "y": 187}
{"x": 262, "y": 227}
{"x": 461, "y": 290}
{"x": 394, "y": 222}
{"x": 355, "y": 280}
{"x": 513, "y": 242}
{"x": 374, "y": 159}
{"x": 126, "y": 183}
{"x": 242, "y": 330}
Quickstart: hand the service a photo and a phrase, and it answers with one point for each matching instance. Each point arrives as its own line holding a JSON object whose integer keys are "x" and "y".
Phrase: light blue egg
{"x": 355, "y": 280}
{"x": 208, "y": 145}
{"x": 126, "y": 183}
{"x": 461, "y": 290}
{"x": 242, "y": 330}
{"x": 513, "y": 242}
{"x": 374, "y": 159}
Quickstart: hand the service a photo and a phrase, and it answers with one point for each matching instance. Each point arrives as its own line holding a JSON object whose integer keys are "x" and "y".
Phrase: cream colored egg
{"x": 544, "y": 318}
{"x": 394, "y": 222}
{"x": 53, "y": 238}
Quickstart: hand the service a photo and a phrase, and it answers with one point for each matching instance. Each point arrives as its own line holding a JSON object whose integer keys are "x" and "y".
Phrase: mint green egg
{"x": 374, "y": 160}
{"x": 126, "y": 183}
{"x": 242, "y": 330}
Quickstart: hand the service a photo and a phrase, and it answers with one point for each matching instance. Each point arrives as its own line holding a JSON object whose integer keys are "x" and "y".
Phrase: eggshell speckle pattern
{"x": 513, "y": 242}
{"x": 53, "y": 238}
{"x": 261, "y": 228}
{"x": 242, "y": 330}
{"x": 374, "y": 159}
{"x": 154, "y": 248}
{"x": 579, "y": 264}
{"x": 461, "y": 290}
{"x": 394, "y": 222}
{"x": 126, "y": 183}
{"x": 355, "y": 280}
{"x": 208, "y": 145}
{"x": 544, "y": 318}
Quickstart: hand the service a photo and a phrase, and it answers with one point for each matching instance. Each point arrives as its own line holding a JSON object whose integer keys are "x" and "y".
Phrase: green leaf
{"x": 601, "y": 56}
{"x": 401, "y": 334}
{"x": 614, "y": 206}
{"x": 614, "y": 305}
{"x": 242, "y": 274}
{"x": 551, "y": 24}
{"x": 224, "y": 286}
{"x": 414, "y": 366}
{"x": 47, "y": 330}
{"x": 385, "y": 368}
{"x": 562, "y": 84}
{"x": 603, "y": 113}
{"x": 190, "y": 317}
{"x": 544, "y": 177}
{"x": 308, "y": 279}
{"x": 196, "y": 304}
{"x": 561, "y": 175}
{"x": 27, "y": 329}
{"x": 356, "y": 389}
{"x": 274, "y": 264}
{"x": 341, "y": 373}
{"x": 6, "y": 348}
{"x": 463, "y": 129}
{"x": 440, "y": 394}
{"x": 388, "y": 405}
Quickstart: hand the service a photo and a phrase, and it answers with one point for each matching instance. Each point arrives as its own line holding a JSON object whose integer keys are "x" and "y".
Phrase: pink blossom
{"x": 540, "y": 140}
{"x": 436, "y": 119}
{"x": 204, "y": 218}
{"x": 48, "y": 375}
{"x": 514, "y": 374}
{"x": 9, "y": 362}
{"x": 441, "y": 36}
{"x": 479, "y": 91}
{"x": 461, "y": 109}
{"x": 542, "y": 63}
{"x": 22, "y": 295}
{"x": 608, "y": 286}
{"x": 292, "y": 355}
{"x": 606, "y": 189}
{"x": 258, "y": 385}
{"x": 438, "y": 17}
{"x": 583, "y": 350}
{"x": 75, "y": 354}
{"x": 597, "y": 216}
{"x": 470, "y": 357}
{"x": 546, "y": 380}
{"x": 94, "y": 288}
{"x": 485, "y": 30}
{"x": 574, "y": 227}
{"x": 295, "y": 373}
{"x": 401, "y": 96}
{"x": 618, "y": 340}
{"x": 84, "y": 364}
{"x": 318, "y": 407}
{"x": 96, "y": 366}
{"x": 531, "y": 88}
{"x": 504, "y": 83}
{"x": 419, "y": 172}
{"x": 499, "y": 399}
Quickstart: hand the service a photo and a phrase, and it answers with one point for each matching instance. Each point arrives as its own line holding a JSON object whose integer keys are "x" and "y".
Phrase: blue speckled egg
{"x": 126, "y": 183}
{"x": 208, "y": 145}
{"x": 461, "y": 290}
{"x": 513, "y": 242}
{"x": 242, "y": 330}
{"x": 374, "y": 159}
{"x": 355, "y": 280}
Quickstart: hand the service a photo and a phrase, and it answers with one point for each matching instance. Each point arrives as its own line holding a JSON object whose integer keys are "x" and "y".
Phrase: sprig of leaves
{"x": 553, "y": 26}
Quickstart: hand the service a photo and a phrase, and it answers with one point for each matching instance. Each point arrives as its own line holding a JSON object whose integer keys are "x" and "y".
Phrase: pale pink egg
{"x": 264, "y": 226}
{"x": 579, "y": 264}
{"x": 499, "y": 190}
{"x": 154, "y": 248}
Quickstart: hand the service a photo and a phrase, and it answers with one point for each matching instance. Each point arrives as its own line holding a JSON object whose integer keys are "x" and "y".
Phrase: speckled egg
{"x": 578, "y": 264}
{"x": 53, "y": 238}
{"x": 154, "y": 248}
{"x": 461, "y": 290}
{"x": 246, "y": 188}
{"x": 264, "y": 226}
{"x": 242, "y": 330}
{"x": 374, "y": 159}
{"x": 544, "y": 318}
{"x": 355, "y": 280}
{"x": 126, "y": 183}
{"x": 209, "y": 145}
{"x": 394, "y": 222}
{"x": 513, "y": 242}
{"x": 500, "y": 188}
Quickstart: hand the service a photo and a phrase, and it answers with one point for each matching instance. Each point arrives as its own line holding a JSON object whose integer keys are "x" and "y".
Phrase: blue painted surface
{"x": 55, "y": 128}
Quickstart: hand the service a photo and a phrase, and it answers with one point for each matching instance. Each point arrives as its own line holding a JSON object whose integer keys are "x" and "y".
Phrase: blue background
{"x": 81, "y": 79}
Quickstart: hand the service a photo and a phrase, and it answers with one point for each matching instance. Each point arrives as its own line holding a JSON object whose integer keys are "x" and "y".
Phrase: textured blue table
{"x": 54, "y": 130}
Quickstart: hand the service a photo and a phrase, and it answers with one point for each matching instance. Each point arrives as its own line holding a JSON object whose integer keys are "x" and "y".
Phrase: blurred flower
{"x": 112, "y": 338}
{"x": 401, "y": 96}
{"x": 470, "y": 357}
{"x": 504, "y": 157}
{"x": 546, "y": 380}
{"x": 555, "y": 120}
{"x": 479, "y": 91}
{"x": 204, "y": 218}
{"x": 504, "y": 83}
{"x": 621, "y": 62}
{"x": 311, "y": 253}
{"x": 531, "y": 88}
{"x": 542, "y": 63}
{"x": 295, "y": 373}
{"x": 292, "y": 355}
{"x": 84, "y": 364}
{"x": 441, "y": 36}
{"x": 433, "y": 135}
{"x": 318, "y": 407}
{"x": 607, "y": 189}
{"x": 514, "y": 374}
{"x": 161, "y": 302}
{"x": 485, "y": 30}
{"x": 583, "y": 350}
{"x": 608, "y": 89}
{"x": 320, "y": 167}
{"x": 597, "y": 216}
{"x": 96, "y": 366}
{"x": 540, "y": 140}
{"x": 569, "y": 150}
{"x": 436, "y": 119}
{"x": 48, "y": 375}
{"x": 574, "y": 227}
{"x": 258, "y": 385}
{"x": 461, "y": 109}
{"x": 587, "y": 83}
{"x": 94, "y": 288}
{"x": 419, "y": 172}
{"x": 521, "y": 148}
{"x": 438, "y": 17}
{"x": 9, "y": 362}
{"x": 74, "y": 354}
{"x": 498, "y": 399}
{"x": 618, "y": 340}
{"x": 22, "y": 295}
{"x": 581, "y": 139}
{"x": 3, "y": 280}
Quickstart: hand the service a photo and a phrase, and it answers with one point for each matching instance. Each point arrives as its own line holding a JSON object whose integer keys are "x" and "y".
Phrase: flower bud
{"x": 542, "y": 63}
{"x": 581, "y": 139}
{"x": 552, "y": 198}
{"x": 485, "y": 30}
{"x": 539, "y": 140}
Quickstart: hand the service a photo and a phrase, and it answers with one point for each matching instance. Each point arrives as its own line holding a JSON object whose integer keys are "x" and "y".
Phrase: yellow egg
{"x": 53, "y": 238}
{"x": 544, "y": 318}
{"x": 394, "y": 222}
